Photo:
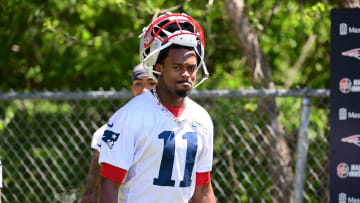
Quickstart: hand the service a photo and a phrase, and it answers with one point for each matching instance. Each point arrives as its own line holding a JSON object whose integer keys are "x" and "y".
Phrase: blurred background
{"x": 92, "y": 44}
{"x": 65, "y": 68}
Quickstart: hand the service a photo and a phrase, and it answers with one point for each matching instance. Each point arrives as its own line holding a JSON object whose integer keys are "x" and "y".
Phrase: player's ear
{"x": 159, "y": 68}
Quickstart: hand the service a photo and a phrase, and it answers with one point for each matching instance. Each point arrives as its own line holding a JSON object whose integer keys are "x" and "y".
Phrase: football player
{"x": 141, "y": 82}
{"x": 159, "y": 147}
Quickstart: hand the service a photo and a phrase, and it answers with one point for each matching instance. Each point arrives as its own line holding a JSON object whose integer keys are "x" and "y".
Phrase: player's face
{"x": 142, "y": 84}
{"x": 178, "y": 73}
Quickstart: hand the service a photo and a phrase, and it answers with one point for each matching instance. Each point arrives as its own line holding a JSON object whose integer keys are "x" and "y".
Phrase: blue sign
{"x": 345, "y": 106}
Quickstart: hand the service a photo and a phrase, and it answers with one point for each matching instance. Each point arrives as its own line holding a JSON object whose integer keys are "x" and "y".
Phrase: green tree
{"x": 92, "y": 44}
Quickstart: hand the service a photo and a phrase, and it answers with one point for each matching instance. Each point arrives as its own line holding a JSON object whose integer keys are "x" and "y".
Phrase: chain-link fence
{"x": 262, "y": 152}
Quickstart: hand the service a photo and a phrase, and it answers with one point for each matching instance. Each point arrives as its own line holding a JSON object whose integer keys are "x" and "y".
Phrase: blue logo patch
{"x": 110, "y": 125}
{"x": 110, "y": 138}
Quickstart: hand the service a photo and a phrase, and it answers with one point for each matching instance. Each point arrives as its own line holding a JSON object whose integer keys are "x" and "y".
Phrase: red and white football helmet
{"x": 171, "y": 29}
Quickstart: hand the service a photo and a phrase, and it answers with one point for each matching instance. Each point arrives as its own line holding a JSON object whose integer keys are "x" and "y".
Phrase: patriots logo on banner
{"x": 110, "y": 138}
{"x": 352, "y": 53}
{"x": 355, "y": 139}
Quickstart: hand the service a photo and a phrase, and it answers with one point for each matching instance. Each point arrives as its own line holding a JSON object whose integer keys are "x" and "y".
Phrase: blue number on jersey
{"x": 167, "y": 161}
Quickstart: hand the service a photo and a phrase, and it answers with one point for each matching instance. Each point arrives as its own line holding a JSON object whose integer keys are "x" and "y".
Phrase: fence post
{"x": 302, "y": 149}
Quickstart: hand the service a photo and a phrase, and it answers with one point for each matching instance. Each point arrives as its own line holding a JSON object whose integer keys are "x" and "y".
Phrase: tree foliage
{"x": 94, "y": 44}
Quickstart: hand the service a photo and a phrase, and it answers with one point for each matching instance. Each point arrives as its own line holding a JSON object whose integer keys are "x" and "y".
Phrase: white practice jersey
{"x": 96, "y": 138}
{"x": 161, "y": 157}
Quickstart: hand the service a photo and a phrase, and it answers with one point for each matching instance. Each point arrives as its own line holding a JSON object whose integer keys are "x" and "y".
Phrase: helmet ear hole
{"x": 147, "y": 51}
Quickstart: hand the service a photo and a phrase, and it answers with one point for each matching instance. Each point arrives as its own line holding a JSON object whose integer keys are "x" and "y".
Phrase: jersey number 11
{"x": 167, "y": 161}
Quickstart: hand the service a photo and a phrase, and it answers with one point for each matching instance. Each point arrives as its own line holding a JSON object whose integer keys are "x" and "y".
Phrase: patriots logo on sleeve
{"x": 110, "y": 138}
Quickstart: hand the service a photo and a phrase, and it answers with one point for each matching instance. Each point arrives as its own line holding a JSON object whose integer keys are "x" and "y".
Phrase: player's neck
{"x": 170, "y": 99}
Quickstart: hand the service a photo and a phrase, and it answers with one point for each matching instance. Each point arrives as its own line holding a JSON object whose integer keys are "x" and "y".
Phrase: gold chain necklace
{"x": 165, "y": 110}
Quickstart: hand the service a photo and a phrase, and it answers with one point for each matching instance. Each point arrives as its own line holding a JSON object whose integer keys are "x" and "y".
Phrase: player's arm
{"x": 92, "y": 185}
{"x": 203, "y": 189}
{"x": 111, "y": 178}
{"x": 109, "y": 191}
{"x": 203, "y": 194}
{"x": 116, "y": 156}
